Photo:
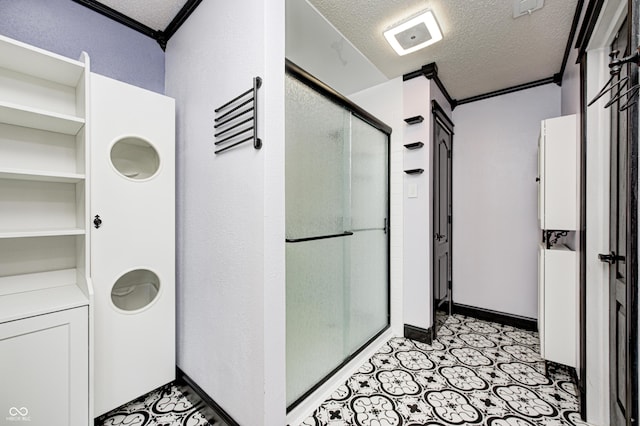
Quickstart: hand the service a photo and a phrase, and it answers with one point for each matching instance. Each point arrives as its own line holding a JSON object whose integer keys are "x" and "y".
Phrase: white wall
{"x": 495, "y": 230}
{"x": 230, "y": 307}
{"x": 418, "y": 235}
{"x": 314, "y": 44}
{"x": 385, "y": 102}
{"x": 274, "y": 326}
{"x": 417, "y": 211}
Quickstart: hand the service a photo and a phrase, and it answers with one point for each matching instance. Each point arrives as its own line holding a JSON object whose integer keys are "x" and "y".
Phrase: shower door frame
{"x": 303, "y": 76}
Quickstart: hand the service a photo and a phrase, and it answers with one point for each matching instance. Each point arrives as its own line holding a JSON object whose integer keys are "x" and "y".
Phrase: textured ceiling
{"x": 155, "y": 14}
{"x": 484, "y": 47}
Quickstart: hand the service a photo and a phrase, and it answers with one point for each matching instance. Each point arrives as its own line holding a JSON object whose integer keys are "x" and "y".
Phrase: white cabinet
{"x": 558, "y": 219}
{"x": 44, "y": 373}
{"x": 43, "y": 189}
{"x": 63, "y": 160}
{"x": 45, "y": 292}
{"x": 558, "y": 173}
{"x": 557, "y": 304}
{"x": 133, "y": 249}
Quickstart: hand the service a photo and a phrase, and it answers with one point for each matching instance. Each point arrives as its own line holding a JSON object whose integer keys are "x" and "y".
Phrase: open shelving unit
{"x": 46, "y": 295}
{"x": 43, "y": 188}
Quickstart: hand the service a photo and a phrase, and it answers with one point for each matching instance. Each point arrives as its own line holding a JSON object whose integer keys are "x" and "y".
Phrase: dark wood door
{"x": 442, "y": 212}
{"x": 620, "y": 233}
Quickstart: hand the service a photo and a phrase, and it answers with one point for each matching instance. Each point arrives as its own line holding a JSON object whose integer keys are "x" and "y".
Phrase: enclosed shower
{"x": 337, "y": 231}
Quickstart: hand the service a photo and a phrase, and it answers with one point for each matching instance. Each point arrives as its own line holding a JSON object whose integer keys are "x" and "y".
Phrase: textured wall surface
{"x": 230, "y": 295}
{"x": 495, "y": 228}
{"x": 417, "y": 211}
{"x": 314, "y": 44}
{"x": 67, "y": 28}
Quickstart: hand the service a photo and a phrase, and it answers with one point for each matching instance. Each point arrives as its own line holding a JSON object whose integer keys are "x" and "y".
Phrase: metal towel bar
{"x": 229, "y": 118}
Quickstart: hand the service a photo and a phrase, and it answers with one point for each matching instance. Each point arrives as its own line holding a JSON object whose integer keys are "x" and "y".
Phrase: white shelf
{"x": 23, "y": 296}
{"x": 42, "y": 233}
{"x": 40, "y": 175}
{"x": 22, "y": 58}
{"x": 39, "y": 119}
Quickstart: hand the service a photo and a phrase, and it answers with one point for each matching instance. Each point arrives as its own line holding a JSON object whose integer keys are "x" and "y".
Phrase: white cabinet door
{"x": 44, "y": 366}
{"x": 559, "y": 290}
{"x": 558, "y": 163}
{"x": 133, "y": 250}
{"x": 541, "y": 282}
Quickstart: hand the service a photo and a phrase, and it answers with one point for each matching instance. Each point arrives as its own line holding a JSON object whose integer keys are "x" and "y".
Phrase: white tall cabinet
{"x": 557, "y": 259}
{"x": 87, "y": 239}
{"x": 133, "y": 240}
{"x": 45, "y": 291}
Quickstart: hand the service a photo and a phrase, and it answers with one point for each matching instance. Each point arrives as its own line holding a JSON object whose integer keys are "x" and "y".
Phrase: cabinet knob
{"x": 538, "y": 179}
{"x": 97, "y": 221}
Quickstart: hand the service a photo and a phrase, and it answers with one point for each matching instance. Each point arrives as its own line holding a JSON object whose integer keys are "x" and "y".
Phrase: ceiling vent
{"x": 526, "y": 7}
{"x": 414, "y": 34}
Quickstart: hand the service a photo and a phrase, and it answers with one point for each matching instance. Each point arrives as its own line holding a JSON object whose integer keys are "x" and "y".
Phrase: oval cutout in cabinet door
{"x": 135, "y": 290}
{"x": 135, "y": 158}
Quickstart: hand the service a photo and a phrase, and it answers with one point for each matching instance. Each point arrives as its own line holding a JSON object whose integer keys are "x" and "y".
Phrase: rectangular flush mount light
{"x": 414, "y": 34}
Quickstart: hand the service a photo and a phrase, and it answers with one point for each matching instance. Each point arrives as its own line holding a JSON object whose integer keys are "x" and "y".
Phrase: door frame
{"x": 438, "y": 114}
{"x": 601, "y": 23}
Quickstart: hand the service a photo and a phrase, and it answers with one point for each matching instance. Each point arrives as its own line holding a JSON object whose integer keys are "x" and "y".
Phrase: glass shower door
{"x": 369, "y": 282}
{"x": 336, "y": 251}
{"x": 316, "y": 171}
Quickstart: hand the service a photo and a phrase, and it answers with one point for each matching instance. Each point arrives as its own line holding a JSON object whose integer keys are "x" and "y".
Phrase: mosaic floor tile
{"x": 475, "y": 373}
{"x": 166, "y": 406}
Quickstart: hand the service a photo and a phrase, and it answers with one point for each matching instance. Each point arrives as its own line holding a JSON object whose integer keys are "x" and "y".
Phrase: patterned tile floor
{"x": 475, "y": 373}
{"x": 166, "y": 406}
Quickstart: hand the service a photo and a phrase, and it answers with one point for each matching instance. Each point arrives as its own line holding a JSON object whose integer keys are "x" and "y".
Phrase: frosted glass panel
{"x": 337, "y": 287}
{"x": 369, "y": 176}
{"x": 316, "y": 165}
{"x": 369, "y": 296}
{"x": 368, "y": 291}
{"x": 315, "y": 312}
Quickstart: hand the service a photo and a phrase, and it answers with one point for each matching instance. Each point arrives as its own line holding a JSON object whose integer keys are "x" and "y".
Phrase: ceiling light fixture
{"x": 414, "y": 34}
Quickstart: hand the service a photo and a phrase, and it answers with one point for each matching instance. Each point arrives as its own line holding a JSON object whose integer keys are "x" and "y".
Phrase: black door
{"x": 621, "y": 236}
{"x": 442, "y": 212}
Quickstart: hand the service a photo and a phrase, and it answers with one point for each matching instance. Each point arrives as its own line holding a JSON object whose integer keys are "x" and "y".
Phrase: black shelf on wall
{"x": 414, "y": 120}
{"x": 414, "y": 145}
{"x": 414, "y": 171}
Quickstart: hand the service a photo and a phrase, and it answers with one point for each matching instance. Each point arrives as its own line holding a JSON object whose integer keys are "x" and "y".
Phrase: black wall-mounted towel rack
{"x": 236, "y": 122}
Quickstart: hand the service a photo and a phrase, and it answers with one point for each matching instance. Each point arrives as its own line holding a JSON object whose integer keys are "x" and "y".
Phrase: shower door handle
{"x": 319, "y": 237}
